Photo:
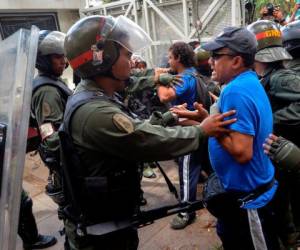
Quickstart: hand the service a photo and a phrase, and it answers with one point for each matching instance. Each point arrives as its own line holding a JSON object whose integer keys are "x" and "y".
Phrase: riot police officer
{"x": 283, "y": 89}
{"x": 108, "y": 138}
{"x": 291, "y": 42}
{"x": 49, "y": 96}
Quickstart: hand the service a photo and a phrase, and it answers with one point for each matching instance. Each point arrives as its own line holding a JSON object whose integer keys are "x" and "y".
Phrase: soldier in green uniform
{"x": 109, "y": 139}
{"x": 291, "y": 42}
{"x": 283, "y": 88}
{"x": 49, "y": 97}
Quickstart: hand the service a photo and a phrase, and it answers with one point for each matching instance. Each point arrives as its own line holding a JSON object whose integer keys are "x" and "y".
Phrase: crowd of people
{"x": 226, "y": 111}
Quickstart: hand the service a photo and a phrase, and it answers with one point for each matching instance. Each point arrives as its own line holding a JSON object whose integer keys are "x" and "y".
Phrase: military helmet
{"x": 92, "y": 44}
{"x": 201, "y": 56}
{"x": 269, "y": 40}
{"x": 50, "y": 42}
{"x": 291, "y": 36}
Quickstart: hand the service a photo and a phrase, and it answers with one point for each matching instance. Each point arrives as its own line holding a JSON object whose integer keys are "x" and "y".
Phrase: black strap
{"x": 171, "y": 187}
{"x": 43, "y": 80}
{"x": 77, "y": 100}
{"x": 256, "y": 192}
{"x": 202, "y": 92}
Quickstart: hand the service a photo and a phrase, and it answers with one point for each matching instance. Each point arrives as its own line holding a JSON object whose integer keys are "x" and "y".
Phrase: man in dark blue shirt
{"x": 237, "y": 157}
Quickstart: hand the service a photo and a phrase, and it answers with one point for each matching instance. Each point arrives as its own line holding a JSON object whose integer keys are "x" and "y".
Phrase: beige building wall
{"x": 67, "y": 13}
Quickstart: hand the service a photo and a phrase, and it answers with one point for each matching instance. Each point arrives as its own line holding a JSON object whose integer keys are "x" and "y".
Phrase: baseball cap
{"x": 238, "y": 39}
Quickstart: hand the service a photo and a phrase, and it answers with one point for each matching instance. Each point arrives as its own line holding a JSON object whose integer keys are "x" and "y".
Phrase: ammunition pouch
{"x": 50, "y": 158}
{"x": 113, "y": 197}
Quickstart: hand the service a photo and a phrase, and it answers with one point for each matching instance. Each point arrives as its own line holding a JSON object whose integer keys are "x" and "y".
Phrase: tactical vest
{"x": 33, "y": 139}
{"x": 113, "y": 196}
{"x": 43, "y": 80}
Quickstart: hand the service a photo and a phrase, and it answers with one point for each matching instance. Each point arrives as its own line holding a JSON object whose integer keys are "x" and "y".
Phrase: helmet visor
{"x": 129, "y": 35}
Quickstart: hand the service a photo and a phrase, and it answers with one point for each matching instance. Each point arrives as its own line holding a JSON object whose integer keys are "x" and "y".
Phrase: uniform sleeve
{"x": 244, "y": 111}
{"x": 285, "y": 85}
{"x": 140, "y": 83}
{"x": 48, "y": 107}
{"x": 136, "y": 139}
{"x": 288, "y": 115}
{"x": 285, "y": 88}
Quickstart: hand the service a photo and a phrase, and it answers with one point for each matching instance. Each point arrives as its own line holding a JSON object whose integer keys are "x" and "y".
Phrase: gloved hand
{"x": 165, "y": 119}
{"x": 285, "y": 154}
{"x": 168, "y": 80}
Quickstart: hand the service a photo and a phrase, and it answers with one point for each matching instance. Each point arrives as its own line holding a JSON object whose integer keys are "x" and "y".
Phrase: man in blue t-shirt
{"x": 237, "y": 157}
{"x": 181, "y": 61}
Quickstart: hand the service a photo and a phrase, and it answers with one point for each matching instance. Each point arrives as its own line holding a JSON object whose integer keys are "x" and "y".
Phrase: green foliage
{"x": 285, "y": 5}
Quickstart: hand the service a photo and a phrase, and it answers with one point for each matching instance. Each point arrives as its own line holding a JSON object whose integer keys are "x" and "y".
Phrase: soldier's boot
{"x": 28, "y": 229}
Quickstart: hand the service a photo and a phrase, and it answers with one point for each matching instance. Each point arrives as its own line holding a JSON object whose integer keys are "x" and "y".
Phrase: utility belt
{"x": 224, "y": 203}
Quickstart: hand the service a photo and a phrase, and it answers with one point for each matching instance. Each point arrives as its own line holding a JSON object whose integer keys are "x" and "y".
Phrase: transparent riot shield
{"x": 17, "y": 63}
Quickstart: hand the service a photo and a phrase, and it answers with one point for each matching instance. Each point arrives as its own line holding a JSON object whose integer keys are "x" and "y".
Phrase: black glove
{"x": 285, "y": 154}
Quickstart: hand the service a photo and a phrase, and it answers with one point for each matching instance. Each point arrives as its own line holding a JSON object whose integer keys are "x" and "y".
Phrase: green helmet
{"x": 269, "y": 40}
{"x": 201, "y": 56}
{"x": 92, "y": 44}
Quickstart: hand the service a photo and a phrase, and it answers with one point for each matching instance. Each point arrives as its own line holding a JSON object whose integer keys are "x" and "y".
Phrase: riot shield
{"x": 17, "y": 63}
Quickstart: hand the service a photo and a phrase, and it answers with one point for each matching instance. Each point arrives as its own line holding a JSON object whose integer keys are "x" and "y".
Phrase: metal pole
{"x": 129, "y": 8}
{"x": 149, "y": 51}
{"x": 153, "y": 23}
{"x": 185, "y": 17}
{"x": 233, "y": 13}
{"x": 135, "y": 12}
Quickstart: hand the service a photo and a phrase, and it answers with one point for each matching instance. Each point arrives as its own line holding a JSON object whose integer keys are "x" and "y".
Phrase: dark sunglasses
{"x": 216, "y": 56}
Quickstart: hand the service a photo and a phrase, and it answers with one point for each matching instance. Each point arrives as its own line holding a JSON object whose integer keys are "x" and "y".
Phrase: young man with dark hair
{"x": 181, "y": 60}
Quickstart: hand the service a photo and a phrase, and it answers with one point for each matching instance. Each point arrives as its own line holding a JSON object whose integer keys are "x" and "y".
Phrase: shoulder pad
{"x": 285, "y": 78}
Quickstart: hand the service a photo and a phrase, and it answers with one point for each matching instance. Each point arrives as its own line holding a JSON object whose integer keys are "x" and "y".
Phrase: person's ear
{"x": 237, "y": 62}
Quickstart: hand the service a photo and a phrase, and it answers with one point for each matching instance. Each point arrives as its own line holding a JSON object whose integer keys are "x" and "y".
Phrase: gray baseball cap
{"x": 238, "y": 39}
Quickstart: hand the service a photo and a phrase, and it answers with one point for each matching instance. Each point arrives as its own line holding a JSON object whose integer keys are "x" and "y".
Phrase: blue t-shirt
{"x": 187, "y": 93}
{"x": 246, "y": 95}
